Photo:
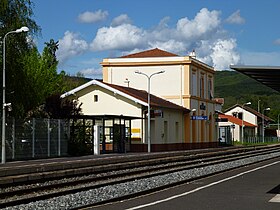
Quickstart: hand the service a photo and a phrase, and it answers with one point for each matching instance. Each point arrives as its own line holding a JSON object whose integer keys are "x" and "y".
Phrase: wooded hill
{"x": 235, "y": 88}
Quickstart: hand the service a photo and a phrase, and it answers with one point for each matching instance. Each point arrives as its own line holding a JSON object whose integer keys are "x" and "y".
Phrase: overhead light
{"x": 22, "y": 29}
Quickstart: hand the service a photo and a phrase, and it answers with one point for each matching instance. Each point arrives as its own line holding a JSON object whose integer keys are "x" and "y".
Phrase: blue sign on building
{"x": 199, "y": 117}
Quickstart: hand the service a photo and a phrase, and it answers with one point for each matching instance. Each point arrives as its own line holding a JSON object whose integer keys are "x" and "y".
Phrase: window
{"x": 210, "y": 89}
{"x": 95, "y": 98}
{"x": 202, "y": 86}
{"x": 194, "y": 82}
{"x": 237, "y": 115}
{"x": 240, "y": 115}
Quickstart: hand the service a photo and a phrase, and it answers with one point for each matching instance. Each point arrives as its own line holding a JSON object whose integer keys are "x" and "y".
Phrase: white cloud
{"x": 120, "y": 20}
{"x": 220, "y": 53}
{"x": 125, "y": 36}
{"x": 223, "y": 54}
{"x": 173, "y": 46}
{"x": 92, "y": 72}
{"x": 204, "y": 33}
{"x": 202, "y": 25}
{"x": 92, "y": 17}
{"x": 70, "y": 45}
{"x": 122, "y": 37}
{"x": 235, "y": 18}
{"x": 163, "y": 22}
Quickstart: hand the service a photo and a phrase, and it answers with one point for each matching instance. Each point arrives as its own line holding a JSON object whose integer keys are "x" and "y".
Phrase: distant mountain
{"x": 235, "y": 87}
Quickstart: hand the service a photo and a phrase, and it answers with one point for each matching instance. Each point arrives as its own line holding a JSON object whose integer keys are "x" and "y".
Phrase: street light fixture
{"x": 242, "y": 129}
{"x": 22, "y": 29}
{"x": 4, "y": 104}
{"x": 149, "y": 109}
{"x": 266, "y": 109}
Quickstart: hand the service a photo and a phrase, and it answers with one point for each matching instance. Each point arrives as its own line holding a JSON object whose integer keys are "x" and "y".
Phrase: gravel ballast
{"x": 124, "y": 189}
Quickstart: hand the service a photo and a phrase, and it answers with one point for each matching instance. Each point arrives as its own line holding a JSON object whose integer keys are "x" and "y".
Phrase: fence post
{"x": 49, "y": 138}
{"x": 33, "y": 137}
{"x": 14, "y": 138}
{"x": 59, "y": 133}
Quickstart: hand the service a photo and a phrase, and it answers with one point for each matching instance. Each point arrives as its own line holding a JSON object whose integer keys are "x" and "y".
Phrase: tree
{"x": 44, "y": 85}
{"x": 41, "y": 77}
{"x": 51, "y": 48}
{"x": 13, "y": 15}
{"x": 58, "y": 108}
{"x": 235, "y": 88}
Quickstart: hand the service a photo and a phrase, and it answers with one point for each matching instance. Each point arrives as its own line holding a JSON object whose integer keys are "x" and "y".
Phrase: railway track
{"x": 118, "y": 172}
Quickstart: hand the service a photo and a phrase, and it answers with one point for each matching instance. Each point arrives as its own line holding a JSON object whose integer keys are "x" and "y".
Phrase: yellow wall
{"x": 105, "y": 74}
{"x": 175, "y": 85}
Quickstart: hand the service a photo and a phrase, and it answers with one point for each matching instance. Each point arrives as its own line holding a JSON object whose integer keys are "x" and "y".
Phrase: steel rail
{"x": 35, "y": 193}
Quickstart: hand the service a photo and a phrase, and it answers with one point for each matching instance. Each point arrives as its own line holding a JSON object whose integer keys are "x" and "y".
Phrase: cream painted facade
{"x": 113, "y": 103}
{"x": 247, "y": 116}
{"x": 186, "y": 82}
{"x": 235, "y": 132}
{"x": 98, "y": 98}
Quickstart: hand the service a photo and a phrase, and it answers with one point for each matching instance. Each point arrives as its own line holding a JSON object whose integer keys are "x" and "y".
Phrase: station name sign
{"x": 199, "y": 117}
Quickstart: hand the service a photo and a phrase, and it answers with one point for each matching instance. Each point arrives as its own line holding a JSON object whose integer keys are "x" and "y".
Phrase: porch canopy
{"x": 267, "y": 75}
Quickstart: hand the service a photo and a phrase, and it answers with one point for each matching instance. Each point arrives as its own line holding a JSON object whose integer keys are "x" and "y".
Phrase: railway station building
{"x": 254, "y": 123}
{"x": 182, "y": 99}
{"x": 122, "y": 114}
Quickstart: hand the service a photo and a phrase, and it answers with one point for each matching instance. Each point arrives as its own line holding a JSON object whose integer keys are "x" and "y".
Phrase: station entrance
{"x": 225, "y": 137}
{"x": 115, "y": 133}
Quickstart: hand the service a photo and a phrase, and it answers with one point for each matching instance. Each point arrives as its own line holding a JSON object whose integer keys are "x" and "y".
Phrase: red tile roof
{"x": 143, "y": 96}
{"x": 236, "y": 120}
{"x": 150, "y": 53}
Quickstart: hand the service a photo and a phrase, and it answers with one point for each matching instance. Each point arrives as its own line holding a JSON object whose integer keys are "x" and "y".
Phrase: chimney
{"x": 193, "y": 54}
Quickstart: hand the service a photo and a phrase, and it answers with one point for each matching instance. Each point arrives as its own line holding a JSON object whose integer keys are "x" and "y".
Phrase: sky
{"x": 222, "y": 33}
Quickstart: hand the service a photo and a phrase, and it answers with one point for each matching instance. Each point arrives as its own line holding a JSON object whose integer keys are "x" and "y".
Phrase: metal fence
{"x": 36, "y": 138}
{"x": 260, "y": 139}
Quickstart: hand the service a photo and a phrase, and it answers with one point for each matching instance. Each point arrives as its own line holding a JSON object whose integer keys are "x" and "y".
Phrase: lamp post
{"x": 278, "y": 131}
{"x": 149, "y": 109}
{"x": 4, "y": 104}
{"x": 193, "y": 111}
{"x": 242, "y": 129}
{"x": 266, "y": 109}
